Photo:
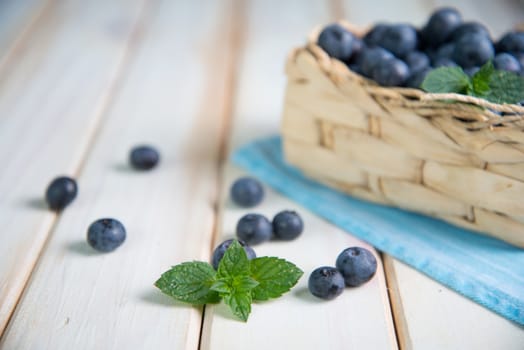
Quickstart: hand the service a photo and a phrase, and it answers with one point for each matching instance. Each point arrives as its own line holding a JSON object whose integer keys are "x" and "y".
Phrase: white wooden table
{"x": 81, "y": 82}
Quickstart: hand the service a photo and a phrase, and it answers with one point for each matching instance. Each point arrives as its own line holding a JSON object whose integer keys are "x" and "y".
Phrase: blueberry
{"x": 444, "y": 62}
{"x": 511, "y": 42}
{"x": 254, "y": 229}
{"x": 371, "y": 57}
{"x": 392, "y": 72}
{"x": 444, "y": 51}
{"x": 61, "y": 192}
{"x": 505, "y": 61}
{"x": 416, "y": 78}
{"x": 374, "y": 36}
{"x": 468, "y": 28}
{"x": 337, "y": 41}
{"x": 357, "y": 265}
{"x": 106, "y": 235}
{"x": 416, "y": 61}
{"x": 287, "y": 225}
{"x": 220, "y": 250}
{"x": 326, "y": 282}
{"x": 472, "y": 50}
{"x": 440, "y": 25}
{"x": 247, "y": 192}
{"x": 144, "y": 157}
{"x": 399, "y": 39}
{"x": 471, "y": 71}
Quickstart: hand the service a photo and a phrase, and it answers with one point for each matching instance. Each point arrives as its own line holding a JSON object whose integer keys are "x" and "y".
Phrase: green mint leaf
{"x": 274, "y": 276}
{"x": 480, "y": 80}
{"x": 506, "y": 87}
{"x": 446, "y": 79}
{"x": 190, "y": 282}
{"x": 234, "y": 262}
{"x": 222, "y": 286}
{"x": 240, "y": 304}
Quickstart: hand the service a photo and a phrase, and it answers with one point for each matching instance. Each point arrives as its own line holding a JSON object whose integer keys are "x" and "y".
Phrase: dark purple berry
{"x": 507, "y": 62}
{"x": 337, "y": 41}
{"x": 511, "y": 42}
{"x": 220, "y": 250}
{"x": 471, "y": 71}
{"x": 357, "y": 265}
{"x": 374, "y": 36}
{"x": 144, "y": 157}
{"x": 416, "y": 61}
{"x": 440, "y": 25}
{"x": 444, "y": 62}
{"x": 399, "y": 39}
{"x": 254, "y": 229}
{"x": 247, "y": 192}
{"x": 326, "y": 282}
{"x": 61, "y": 192}
{"x": 371, "y": 57}
{"x": 416, "y": 78}
{"x": 287, "y": 225}
{"x": 106, "y": 235}
{"x": 472, "y": 50}
{"x": 392, "y": 72}
{"x": 468, "y": 28}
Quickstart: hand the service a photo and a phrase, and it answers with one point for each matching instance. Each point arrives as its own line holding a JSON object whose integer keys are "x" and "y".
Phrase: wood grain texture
{"x": 51, "y": 97}
{"x": 80, "y": 299}
{"x": 359, "y": 318}
{"x": 427, "y": 314}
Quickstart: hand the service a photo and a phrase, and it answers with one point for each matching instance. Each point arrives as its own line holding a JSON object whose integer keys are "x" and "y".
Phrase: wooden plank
{"x": 51, "y": 98}
{"x": 359, "y": 318}
{"x": 17, "y": 19}
{"x": 174, "y": 92}
{"x": 427, "y": 314}
{"x": 451, "y": 321}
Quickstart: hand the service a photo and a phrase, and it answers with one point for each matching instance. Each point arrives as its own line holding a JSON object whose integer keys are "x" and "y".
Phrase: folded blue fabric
{"x": 486, "y": 270}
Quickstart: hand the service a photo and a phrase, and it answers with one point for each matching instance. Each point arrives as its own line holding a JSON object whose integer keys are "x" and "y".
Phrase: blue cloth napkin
{"x": 483, "y": 269}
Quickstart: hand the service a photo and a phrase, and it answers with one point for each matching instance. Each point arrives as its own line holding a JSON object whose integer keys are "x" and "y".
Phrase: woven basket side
{"x": 393, "y": 146}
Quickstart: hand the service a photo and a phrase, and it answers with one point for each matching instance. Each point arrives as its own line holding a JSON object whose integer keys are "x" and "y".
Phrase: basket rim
{"x": 341, "y": 69}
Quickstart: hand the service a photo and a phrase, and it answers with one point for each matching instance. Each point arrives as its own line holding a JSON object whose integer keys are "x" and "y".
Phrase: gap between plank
{"x": 236, "y": 38}
{"x": 395, "y": 302}
{"x": 100, "y": 112}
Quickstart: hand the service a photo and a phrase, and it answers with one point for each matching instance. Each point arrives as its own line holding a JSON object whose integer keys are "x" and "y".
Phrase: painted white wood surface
{"x": 50, "y": 100}
{"x": 79, "y": 299}
{"x": 429, "y": 315}
{"x": 17, "y": 18}
{"x": 358, "y": 319}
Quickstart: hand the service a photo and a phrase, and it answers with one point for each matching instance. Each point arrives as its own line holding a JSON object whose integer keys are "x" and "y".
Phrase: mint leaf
{"x": 231, "y": 285}
{"x": 480, "y": 80}
{"x": 446, "y": 79}
{"x": 240, "y": 304}
{"x": 506, "y": 87}
{"x": 234, "y": 262}
{"x": 234, "y": 282}
{"x": 274, "y": 276}
{"x": 237, "y": 280}
{"x": 189, "y": 282}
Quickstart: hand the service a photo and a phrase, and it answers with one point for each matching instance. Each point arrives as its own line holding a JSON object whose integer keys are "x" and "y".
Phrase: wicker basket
{"x": 461, "y": 161}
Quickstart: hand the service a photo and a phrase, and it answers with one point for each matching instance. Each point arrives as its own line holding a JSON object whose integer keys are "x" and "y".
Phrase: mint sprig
{"x": 495, "y": 86}
{"x": 238, "y": 280}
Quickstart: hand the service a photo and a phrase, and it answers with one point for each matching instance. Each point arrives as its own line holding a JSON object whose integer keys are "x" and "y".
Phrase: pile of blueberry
{"x": 354, "y": 267}
{"x": 252, "y": 228}
{"x": 107, "y": 234}
{"x": 402, "y": 55}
